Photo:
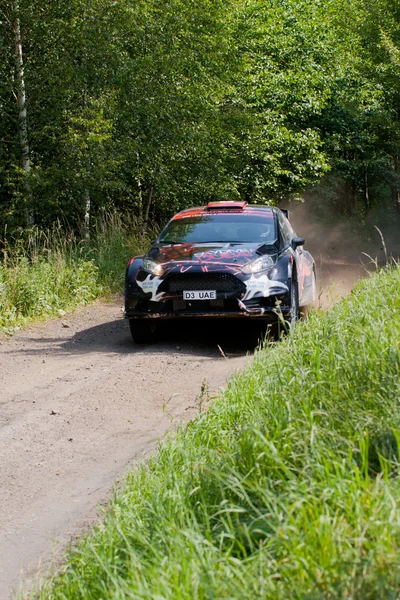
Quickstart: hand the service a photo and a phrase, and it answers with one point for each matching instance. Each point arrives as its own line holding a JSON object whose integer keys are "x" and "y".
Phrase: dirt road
{"x": 80, "y": 403}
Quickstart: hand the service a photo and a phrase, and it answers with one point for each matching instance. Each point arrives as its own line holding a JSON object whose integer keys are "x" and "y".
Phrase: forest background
{"x": 150, "y": 106}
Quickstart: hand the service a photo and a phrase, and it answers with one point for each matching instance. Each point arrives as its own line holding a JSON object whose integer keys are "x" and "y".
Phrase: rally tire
{"x": 294, "y": 303}
{"x": 305, "y": 310}
{"x": 143, "y": 331}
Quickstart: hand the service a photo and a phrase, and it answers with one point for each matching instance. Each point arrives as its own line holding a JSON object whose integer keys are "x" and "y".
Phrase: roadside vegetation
{"x": 143, "y": 109}
{"x": 48, "y": 273}
{"x": 287, "y": 487}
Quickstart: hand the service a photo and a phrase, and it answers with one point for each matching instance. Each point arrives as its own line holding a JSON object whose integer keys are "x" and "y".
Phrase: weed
{"x": 204, "y": 396}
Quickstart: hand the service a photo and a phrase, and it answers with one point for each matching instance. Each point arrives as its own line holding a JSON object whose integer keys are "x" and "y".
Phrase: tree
{"x": 149, "y": 106}
{"x": 10, "y": 22}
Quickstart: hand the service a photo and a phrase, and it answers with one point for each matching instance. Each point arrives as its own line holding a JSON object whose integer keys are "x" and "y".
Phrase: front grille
{"x": 221, "y": 282}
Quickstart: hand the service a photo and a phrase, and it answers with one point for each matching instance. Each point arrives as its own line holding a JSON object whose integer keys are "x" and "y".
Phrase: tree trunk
{"x": 87, "y": 216}
{"x": 348, "y": 197}
{"x": 396, "y": 197}
{"x": 395, "y": 185}
{"x": 147, "y": 211}
{"x": 23, "y": 117}
{"x": 140, "y": 200}
{"x": 353, "y": 196}
{"x": 366, "y": 188}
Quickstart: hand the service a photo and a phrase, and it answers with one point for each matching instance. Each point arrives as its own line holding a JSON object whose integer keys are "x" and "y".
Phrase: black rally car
{"x": 226, "y": 259}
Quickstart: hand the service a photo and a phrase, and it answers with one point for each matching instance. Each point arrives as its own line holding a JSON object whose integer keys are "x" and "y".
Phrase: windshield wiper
{"x": 266, "y": 249}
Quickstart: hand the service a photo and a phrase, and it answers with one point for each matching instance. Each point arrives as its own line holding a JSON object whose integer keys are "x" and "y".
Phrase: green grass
{"x": 48, "y": 273}
{"x": 286, "y": 488}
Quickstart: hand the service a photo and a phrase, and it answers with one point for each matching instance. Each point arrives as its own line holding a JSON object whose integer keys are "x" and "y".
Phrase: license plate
{"x": 206, "y": 295}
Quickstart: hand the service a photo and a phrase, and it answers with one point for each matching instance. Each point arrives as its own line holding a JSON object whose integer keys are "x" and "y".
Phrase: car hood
{"x": 218, "y": 254}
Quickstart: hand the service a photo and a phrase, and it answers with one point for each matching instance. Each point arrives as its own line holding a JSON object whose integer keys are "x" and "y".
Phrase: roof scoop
{"x": 226, "y": 205}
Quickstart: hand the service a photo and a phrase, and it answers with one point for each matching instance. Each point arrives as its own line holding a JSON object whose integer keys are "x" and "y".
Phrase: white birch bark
{"x": 139, "y": 183}
{"x": 395, "y": 186}
{"x": 23, "y": 117}
{"x": 87, "y": 215}
{"x": 366, "y": 187}
{"x": 147, "y": 211}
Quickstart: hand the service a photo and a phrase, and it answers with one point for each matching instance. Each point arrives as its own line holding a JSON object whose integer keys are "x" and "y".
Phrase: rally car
{"x": 223, "y": 260}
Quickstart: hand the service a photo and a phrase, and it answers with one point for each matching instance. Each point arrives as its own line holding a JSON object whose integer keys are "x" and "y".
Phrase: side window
{"x": 287, "y": 232}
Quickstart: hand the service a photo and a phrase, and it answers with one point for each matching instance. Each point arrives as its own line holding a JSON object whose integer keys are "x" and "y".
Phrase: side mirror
{"x": 298, "y": 241}
{"x": 153, "y": 242}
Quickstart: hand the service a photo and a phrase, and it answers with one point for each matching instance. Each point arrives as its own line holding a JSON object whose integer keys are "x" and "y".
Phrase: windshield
{"x": 236, "y": 228}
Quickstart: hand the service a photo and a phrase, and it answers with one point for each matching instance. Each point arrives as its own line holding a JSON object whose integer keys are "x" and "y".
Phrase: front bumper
{"x": 150, "y": 297}
{"x": 266, "y": 313}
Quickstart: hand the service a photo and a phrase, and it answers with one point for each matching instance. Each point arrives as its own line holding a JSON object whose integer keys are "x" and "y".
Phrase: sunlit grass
{"x": 287, "y": 488}
{"x": 48, "y": 273}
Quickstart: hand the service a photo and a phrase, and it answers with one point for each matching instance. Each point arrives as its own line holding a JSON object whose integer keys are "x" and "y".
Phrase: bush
{"x": 48, "y": 273}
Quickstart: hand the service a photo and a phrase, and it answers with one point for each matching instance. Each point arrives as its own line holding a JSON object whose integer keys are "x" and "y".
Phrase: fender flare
{"x": 309, "y": 292}
{"x": 283, "y": 269}
{"x": 131, "y": 271}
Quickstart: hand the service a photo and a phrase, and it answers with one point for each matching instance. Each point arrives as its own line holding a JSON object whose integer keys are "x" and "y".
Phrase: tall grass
{"x": 48, "y": 273}
{"x": 286, "y": 488}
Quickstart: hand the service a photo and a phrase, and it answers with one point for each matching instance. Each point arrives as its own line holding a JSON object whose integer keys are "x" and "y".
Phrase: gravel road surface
{"x": 79, "y": 404}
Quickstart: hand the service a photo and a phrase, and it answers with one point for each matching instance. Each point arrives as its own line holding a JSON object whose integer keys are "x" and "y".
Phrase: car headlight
{"x": 264, "y": 263}
{"x": 152, "y": 267}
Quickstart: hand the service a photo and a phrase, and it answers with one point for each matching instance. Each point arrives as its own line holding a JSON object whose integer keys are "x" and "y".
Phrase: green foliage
{"x": 114, "y": 241}
{"x": 286, "y": 488}
{"x": 45, "y": 274}
{"x": 45, "y": 287}
{"x": 361, "y": 123}
{"x": 149, "y": 107}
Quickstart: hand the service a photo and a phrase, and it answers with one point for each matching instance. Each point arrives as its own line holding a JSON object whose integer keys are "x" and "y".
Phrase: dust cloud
{"x": 342, "y": 255}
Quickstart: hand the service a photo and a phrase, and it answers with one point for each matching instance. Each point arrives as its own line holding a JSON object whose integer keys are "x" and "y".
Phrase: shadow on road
{"x": 203, "y": 338}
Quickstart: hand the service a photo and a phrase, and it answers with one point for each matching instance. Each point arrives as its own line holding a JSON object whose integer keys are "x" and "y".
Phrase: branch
{"x": 4, "y": 16}
{"x": 391, "y": 48}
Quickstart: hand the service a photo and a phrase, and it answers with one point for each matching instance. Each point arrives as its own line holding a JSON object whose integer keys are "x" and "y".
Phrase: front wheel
{"x": 143, "y": 331}
{"x": 294, "y": 302}
{"x": 311, "y": 298}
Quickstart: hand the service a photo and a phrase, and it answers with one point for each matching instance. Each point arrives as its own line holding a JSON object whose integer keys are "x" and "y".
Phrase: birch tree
{"x": 10, "y": 13}
{"x": 149, "y": 106}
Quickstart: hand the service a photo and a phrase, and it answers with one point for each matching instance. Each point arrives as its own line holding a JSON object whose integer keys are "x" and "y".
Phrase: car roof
{"x": 248, "y": 209}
